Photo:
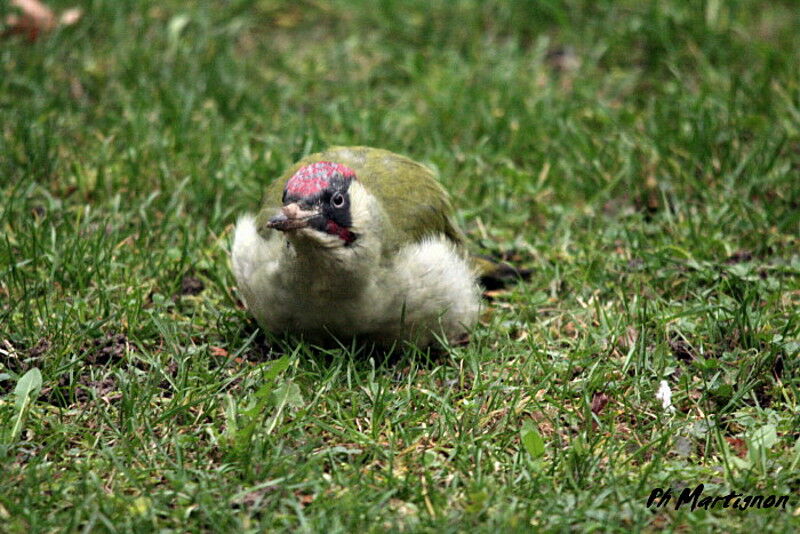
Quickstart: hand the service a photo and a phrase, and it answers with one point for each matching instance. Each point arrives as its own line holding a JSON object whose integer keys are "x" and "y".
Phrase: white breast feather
{"x": 437, "y": 288}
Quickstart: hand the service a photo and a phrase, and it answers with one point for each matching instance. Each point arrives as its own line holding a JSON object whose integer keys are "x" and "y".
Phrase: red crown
{"x": 312, "y": 179}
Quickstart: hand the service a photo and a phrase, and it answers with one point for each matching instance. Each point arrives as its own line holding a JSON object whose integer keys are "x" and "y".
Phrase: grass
{"x": 643, "y": 158}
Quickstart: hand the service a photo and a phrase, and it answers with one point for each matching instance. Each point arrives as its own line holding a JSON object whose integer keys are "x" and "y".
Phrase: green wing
{"x": 420, "y": 209}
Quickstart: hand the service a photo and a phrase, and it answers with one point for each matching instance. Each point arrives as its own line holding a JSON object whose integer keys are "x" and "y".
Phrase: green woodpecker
{"x": 357, "y": 241}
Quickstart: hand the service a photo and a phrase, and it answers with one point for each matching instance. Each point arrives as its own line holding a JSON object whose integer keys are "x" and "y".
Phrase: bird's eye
{"x": 337, "y": 200}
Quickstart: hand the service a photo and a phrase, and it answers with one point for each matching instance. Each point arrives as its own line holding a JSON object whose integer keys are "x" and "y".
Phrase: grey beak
{"x": 291, "y": 217}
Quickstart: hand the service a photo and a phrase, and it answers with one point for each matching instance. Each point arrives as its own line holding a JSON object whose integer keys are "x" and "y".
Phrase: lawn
{"x": 641, "y": 158}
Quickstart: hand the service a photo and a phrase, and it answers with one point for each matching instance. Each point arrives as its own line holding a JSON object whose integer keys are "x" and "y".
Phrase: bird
{"x": 358, "y": 242}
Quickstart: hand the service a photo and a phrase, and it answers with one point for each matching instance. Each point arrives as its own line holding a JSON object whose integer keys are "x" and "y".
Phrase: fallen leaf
{"x": 738, "y": 445}
{"x": 219, "y": 351}
{"x": 599, "y": 401}
{"x": 36, "y": 18}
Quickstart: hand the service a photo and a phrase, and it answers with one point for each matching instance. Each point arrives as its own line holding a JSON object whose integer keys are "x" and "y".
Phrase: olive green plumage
{"x": 414, "y": 202}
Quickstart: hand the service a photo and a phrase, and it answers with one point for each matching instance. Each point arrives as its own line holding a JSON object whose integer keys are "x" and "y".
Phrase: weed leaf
{"x": 27, "y": 389}
{"x": 532, "y": 440}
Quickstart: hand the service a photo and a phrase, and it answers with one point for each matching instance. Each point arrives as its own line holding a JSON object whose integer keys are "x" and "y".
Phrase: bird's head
{"x": 317, "y": 203}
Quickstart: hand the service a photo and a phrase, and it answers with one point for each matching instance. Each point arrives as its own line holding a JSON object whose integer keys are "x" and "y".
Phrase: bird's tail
{"x": 495, "y": 274}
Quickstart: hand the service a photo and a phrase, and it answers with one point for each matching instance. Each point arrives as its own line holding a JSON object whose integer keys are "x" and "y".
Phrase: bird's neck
{"x": 337, "y": 270}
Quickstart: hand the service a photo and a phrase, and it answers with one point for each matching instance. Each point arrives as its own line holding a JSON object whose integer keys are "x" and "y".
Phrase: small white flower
{"x": 664, "y": 394}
